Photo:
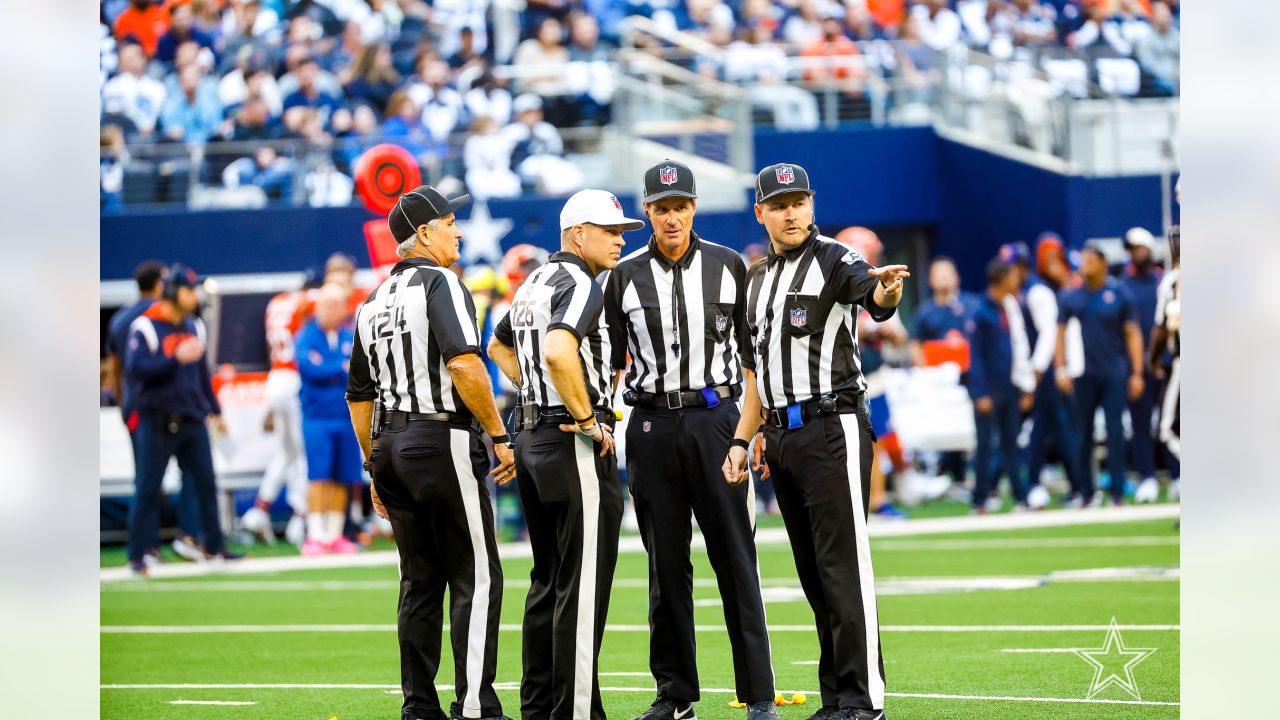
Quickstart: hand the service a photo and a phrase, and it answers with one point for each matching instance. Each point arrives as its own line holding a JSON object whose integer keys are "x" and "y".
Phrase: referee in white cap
{"x": 554, "y": 345}
{"x": 677, "y": 307}
{"x": 416, "y": 389}
{"x": 803, "y": 312}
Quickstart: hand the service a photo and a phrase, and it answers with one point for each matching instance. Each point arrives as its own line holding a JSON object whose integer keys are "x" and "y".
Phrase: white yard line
{"x": 1026, "y": 543}
{"x": 509, "y": 686}
{"x": 632, "y": 544}
{"x": 1038, "y": 650}
{"x": 212, "y": 702}
{"x": 234, "y": 629}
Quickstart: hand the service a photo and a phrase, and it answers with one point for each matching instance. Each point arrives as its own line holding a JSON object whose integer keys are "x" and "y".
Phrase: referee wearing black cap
{"x": 416, "y": 389}
{"x": 678, "y": 307}
{"x": 818, "y": 437}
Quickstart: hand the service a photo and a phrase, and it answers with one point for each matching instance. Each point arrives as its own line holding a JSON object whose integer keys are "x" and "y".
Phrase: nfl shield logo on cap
{"x": 785, "y": 175}
{"x": 667, "y": 175}
{"x": 799, "y": 318}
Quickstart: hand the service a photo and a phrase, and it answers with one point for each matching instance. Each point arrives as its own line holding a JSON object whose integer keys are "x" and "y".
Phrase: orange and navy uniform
{"x": 163, "y": 384}
{"x": 283, "y": 318}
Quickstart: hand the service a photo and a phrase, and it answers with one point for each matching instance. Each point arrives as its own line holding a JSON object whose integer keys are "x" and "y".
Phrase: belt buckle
{"x": 679, "y": 403}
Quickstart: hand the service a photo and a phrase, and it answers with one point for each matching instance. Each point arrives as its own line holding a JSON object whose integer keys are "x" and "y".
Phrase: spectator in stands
{"x": 440, "y": 105}
{"x": 139, "y": 98}
{"x": 832, "y": 62}
{"x": 265, "y": 170}
{"x": 538, "y": 149}
{"x": 487, "y": 158}
{"x": 450, "y": 18}
{"x": 762, "y": 66}
{"x": 362, "y": 135}
{"x": 143, "y": 21}
{"x": 467, "y": 55}
{"x": 250, "y": 77}
{"x": 345, "y": 51}
{"x": 1142, "y": 278}
{"x": 252, "y": 122}
{"x": 711, "y": 20}
{"x": 333, "y": 456}
{"x": 1032, "y": 24}
{"x": 590, "y": 79}
{"x": 309, "y": 93}
{"x": 327, "y": 187}
{"x": 247, "y": 22}
{"x": 1159, "y": 52}
{"x": 1097, "y": 33}
{"x": 861, "y": 25}
{"x": 488, "y": 98}
{"x": 182, "y": 29}
{"x": 372, "y": 78}
{"x": 112, "y": 158}
{"x": 545, "y": 57}
{"x": 1112, "y": 369}
{"x": 192, "y": 115}
{"x": 939, "y": 26}
{"x": 889, "y": 14}
{"x": 806, "y": 25}
{"x": 537, "y": 12}
{"x": 999, "y": 397}
{"x": 404, "y": 127}
{"x": 1132, "y": 19}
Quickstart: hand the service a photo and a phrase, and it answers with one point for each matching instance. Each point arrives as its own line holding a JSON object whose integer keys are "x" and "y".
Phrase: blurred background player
{"x": 1112, "y": 369}
{"x": 1142, "y": 278}
{"x": 333, "y": 454}
{"x": 874, "y": 338}
{"x": 149, "y": 277}
{"x": 1166, "y": 344}
{"x": 1000, "y": 385}
{"x": 283, "y": 319}
{"x": 165, "y": 359}
{"x": 1051, "y": 421}
{"x": 941, "y": 334}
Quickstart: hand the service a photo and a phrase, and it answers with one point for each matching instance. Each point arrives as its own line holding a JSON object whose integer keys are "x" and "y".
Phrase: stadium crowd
{"x": 303, "y": 87}
{"x": 1058, "y": 337}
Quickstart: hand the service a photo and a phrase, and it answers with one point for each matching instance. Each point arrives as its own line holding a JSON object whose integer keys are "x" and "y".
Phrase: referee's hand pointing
{"x": 506, "y": 470}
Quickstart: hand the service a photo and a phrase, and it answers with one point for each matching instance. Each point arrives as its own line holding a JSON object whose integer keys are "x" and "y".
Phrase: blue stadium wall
{"x": 969, "y": 201}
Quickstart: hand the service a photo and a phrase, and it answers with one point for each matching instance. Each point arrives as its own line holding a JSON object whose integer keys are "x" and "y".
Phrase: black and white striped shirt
{"x": 560, "y": 294}
{"x": 413, "y": 324}
{"x": 803, "y": 318}
{"x": 683, "y": 321}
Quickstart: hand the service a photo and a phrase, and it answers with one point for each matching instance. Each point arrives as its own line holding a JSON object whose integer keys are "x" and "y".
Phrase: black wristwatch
{"x": 504, "y": 439}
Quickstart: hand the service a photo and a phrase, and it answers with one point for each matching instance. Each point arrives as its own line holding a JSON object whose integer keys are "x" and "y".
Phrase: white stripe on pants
{"x": 584, "y": 651}
{"x": 460, "y": 445}
{"x": 866, "y": 575}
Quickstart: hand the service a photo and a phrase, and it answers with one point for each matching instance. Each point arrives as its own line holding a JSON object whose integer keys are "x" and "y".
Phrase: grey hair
{"x": 407, "y": 246}
{"x": 565, "y": 234}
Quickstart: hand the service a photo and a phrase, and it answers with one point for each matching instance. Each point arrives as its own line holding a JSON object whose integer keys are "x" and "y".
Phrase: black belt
{"x": 793, "y": 416}
{"x": 399, "y": 419}
{"x": 529, "y": 417}
{"x": 677, "y": 399}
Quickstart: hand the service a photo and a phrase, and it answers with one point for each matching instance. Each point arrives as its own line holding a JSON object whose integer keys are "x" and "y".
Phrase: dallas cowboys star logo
{"x": 482, "y": 235}
{"x": 1113, "y": 664}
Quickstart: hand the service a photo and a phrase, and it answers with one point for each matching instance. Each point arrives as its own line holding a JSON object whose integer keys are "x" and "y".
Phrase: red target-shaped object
{"x": 384, "y": 173}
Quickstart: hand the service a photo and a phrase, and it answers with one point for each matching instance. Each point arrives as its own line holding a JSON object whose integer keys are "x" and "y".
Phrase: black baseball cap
{"x": 419, "y": 206}
{"x": 669, "y": 178}
{"x": 781, "y": 178}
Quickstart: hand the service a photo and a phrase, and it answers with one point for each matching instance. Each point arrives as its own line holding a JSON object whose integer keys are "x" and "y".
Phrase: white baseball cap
{"x": 598, "y": 207}
{"x": 1141, "y": 237}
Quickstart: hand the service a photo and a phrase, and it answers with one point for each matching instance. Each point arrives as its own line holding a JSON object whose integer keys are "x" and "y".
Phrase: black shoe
{"x": 663, "y": 709}
{"x": 826, "y": 712}
{"x": 763, "y": 710}
{"x": 138, "y": 568}
{"x": 859, "y": 714}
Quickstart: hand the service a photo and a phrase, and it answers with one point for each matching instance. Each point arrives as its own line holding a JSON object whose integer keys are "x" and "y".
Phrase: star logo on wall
{"x": 482, "y": 235}
{"x": 1113, "y": 664}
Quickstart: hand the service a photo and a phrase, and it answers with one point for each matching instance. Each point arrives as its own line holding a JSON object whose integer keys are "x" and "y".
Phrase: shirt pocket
{"x": 801, "y": 316}
{"x": 719, "y": 321}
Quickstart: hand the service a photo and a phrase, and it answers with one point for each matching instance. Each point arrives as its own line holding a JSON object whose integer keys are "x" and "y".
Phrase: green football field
{"x": 975, "y": 624}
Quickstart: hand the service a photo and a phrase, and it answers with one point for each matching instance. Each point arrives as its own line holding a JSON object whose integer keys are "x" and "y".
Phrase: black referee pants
{"x": 673, "y": 466}
{"x": 431, "y": 477}
{"x": 821, "y": 472}
{"x": 572, "y": 504}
